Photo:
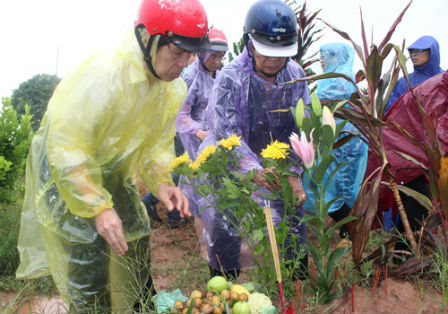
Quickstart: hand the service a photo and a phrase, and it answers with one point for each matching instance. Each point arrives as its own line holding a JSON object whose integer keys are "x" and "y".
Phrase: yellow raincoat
{"x": 107, "y": 120}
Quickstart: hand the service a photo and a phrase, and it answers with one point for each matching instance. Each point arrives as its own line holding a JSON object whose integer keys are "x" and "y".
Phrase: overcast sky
{"x": 53, "y": 36}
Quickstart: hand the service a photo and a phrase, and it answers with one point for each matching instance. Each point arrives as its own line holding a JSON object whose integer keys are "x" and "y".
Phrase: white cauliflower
{"x": 260, "y": 303}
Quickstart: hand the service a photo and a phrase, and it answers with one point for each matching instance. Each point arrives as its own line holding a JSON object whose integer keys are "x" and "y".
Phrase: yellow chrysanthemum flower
{"x": 230, "y": 142}
{"x": 194, "y": 165}
{"x": 275, "y": 150}
{"x": 183, "y": 159}
{"x": 207, "y": 152}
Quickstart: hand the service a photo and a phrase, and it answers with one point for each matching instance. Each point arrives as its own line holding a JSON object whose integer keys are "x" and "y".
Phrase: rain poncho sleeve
{"x": 346, "y": 182}
{"x": 107, "y": 120}
{"x": 244, "y": 104}
{"x": 421, "y": 72}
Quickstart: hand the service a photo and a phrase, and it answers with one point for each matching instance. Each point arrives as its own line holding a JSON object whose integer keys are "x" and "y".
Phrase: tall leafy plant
{"x": 314, "y": 147}
{"x": 365, "y": 111}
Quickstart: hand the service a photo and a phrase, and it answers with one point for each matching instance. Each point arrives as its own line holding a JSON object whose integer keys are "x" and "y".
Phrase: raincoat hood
{"x": 433, "y": 66}
{"x": 338, "y": 58}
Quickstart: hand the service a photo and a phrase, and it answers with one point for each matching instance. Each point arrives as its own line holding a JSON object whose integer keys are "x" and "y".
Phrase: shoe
{"x": 173, "y": 224}
{"x": 152, "y": 211}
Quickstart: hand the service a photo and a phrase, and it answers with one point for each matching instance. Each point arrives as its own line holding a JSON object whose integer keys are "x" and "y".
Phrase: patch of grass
{"x": 9, "y": 233}
{"x": 440, "y": 273}
{"x": 38, "y": 286}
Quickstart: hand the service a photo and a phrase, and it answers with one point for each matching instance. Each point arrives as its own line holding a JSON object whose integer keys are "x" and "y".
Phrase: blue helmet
{"x": 272, "y": 26}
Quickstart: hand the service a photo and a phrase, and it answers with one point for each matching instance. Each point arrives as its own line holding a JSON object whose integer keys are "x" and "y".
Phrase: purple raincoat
{"x": 245, "y": 104}
{"x": 191, "y": 119}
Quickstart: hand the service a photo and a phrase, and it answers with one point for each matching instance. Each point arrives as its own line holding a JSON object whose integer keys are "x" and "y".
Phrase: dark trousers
{"x": 416, "y": 213}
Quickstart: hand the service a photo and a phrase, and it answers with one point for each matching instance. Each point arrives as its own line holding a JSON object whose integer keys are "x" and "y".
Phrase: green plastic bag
{"x": 164, "y": 301}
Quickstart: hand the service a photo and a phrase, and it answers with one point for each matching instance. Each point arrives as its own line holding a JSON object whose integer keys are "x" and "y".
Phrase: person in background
{"x": 109, "y": 119}
{"x": 432, "y": 94}
{"x": 425, "y": 56}
{"x": 249, "y": 99}
{"x": 191, "y": 125}
{"x": 346, "y": 182}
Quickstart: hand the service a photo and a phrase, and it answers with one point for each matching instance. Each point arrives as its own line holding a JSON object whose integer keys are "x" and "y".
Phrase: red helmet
{"x": 218, "y": 41}
{"x": 183, "y": 21}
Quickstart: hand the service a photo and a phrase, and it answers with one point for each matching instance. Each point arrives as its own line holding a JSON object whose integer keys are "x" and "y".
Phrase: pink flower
{"x": 303, "y": 148}
{"x": 328, "y": 119}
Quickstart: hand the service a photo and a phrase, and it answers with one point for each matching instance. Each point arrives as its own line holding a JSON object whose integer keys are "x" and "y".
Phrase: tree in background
{"x": 36, "y": 92}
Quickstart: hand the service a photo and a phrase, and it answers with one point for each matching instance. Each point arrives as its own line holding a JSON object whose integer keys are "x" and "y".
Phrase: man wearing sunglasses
{"x": 425, "y": 56}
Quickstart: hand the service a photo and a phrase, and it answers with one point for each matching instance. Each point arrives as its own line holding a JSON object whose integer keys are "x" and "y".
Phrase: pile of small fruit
{"x": 218, "y": 299}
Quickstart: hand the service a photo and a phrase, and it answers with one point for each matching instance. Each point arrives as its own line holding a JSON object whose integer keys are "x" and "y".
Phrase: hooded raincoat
{"x": 107, "y": 120}
{"x": 191, "y": 117}
{"x": 422, "y": 72}
{"x": 245, "y": 104}
{"x": 346, "y": 182}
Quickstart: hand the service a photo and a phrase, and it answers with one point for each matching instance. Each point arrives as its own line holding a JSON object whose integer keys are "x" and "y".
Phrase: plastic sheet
{"x": 164, "y": 301}
{"x": 433, "y": 95}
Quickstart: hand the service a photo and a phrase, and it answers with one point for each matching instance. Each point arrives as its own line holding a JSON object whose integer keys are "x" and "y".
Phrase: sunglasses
{"x": 418, "y": 50}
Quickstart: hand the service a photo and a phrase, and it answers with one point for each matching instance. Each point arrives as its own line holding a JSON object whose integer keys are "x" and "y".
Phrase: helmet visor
{"x": 221, "y": 47}
{"x": 192, "y": 44}
{"x": 275, "y": 50}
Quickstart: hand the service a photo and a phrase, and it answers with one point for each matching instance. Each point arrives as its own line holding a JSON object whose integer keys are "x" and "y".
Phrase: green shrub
{"x": 15, "y": 138}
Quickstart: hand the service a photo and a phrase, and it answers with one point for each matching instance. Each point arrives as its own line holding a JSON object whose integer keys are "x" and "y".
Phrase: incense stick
{"x": 274, "y": 250}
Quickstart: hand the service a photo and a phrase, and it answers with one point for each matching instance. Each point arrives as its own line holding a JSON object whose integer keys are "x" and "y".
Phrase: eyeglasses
{"x": 411, "y": 51}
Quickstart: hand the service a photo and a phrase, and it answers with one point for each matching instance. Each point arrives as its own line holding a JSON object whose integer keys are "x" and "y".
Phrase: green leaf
{"x": 315, "y": 253}
{"x": 259, "y": 249}
{"x": 315, "y": 103}
{"x": 231, "y": 190}
{"x": 419, "y": 197}
{"x": 300, "y": 113}
{"x": 322, "y": 167}
{"x": 258, "y": 235}
{"x": 334, "y": 256}
{"x": 324, "y": 244}
{"x": 327, "y": 135}
{"x": 374, "y": 68}
{"x": 339, "y": 224}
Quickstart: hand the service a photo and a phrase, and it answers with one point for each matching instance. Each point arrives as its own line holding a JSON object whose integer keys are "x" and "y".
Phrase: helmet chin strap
{"x": 146, "y": 52}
